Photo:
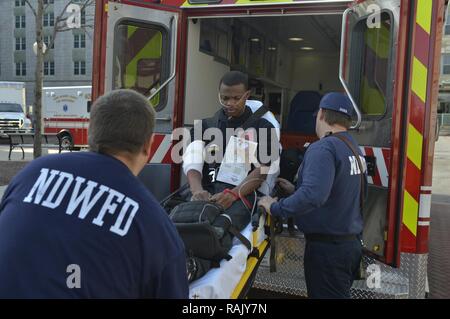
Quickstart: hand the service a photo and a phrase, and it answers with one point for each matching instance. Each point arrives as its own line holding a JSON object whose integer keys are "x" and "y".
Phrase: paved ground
{"x": 8, "y": 168}
{"x": 441, "y": 166}
{"x": 439, "y": 248}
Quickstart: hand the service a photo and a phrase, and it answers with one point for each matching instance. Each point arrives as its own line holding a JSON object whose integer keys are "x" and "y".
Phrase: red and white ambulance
{"x": 384, "y": 53}
{"x": 65, "y": 110}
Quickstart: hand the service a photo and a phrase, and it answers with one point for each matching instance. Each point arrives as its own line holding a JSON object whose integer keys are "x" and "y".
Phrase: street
{"x": 439, "y": 248}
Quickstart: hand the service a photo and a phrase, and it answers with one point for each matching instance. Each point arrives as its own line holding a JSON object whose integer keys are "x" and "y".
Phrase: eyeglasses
{"x": 226, "y": 100}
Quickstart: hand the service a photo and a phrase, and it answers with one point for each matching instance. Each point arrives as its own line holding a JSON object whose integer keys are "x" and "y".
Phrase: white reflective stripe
{"x": 381, "y": 166}
{"x": 369, "y": 178}
{"x": 66, "y": 124}
{"x": 426, "y": 188}
{"x": 425, "y": 206}
{"x": 423, "y": 223}
{"x": 162, "y": 150}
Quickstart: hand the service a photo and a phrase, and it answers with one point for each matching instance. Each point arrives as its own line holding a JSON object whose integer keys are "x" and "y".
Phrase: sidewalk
{"x": 441, "y": 167}
{"x": 2, "y": 190}
{"x": 16, "y": 154}
{"x": 9, "y": 168}
{"x": 439, "y": 244}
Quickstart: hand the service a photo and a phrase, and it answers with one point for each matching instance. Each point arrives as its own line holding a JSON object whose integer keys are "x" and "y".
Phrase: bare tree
{"x": 60, "y": 25}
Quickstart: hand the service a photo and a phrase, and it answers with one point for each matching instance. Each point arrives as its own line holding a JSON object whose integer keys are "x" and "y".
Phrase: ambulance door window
{"x": 369, "y": 77}
{"x": 140, "y": 61}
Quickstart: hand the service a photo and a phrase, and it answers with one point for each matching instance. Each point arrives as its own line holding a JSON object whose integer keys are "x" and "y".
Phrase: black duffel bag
{"x": 207, "y": 232}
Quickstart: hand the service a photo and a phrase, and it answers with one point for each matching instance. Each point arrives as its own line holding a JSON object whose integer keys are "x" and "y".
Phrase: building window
{"x": 79, "y": 68}
{"x": 79, "y": 41}
{"x": 49, "y": 19}
{"x": 20, "y": 3}
{"x": 447, "y": 25}
{"x": 20, "y": 44}
{"x": 48, "y": 1}
{"x": 83, "y": 17}
{"x": 446, "y": 63}
{"x": 21, "y": 69}
{"x": 47, "y": 40}
{"x": 20, "y": 22}
{"x": 49, "y": 68}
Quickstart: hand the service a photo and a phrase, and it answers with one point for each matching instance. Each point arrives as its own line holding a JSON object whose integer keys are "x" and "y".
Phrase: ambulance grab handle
{"x": 165, "y": 118}
{"x": 341, "y": 70}
{"x": 174, "y": 26}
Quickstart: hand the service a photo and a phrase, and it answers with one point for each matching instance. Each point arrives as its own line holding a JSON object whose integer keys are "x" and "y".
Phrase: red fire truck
{"x": 384, "y": 53}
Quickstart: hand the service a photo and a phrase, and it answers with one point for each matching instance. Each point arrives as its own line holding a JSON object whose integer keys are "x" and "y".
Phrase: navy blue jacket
{"x": 81, "y": 225}
{"x": 327, "y": 196}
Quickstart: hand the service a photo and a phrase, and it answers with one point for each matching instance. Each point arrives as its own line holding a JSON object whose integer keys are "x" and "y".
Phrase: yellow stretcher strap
{"x": 251, "y": 264}
{"x": 252, "y": 260}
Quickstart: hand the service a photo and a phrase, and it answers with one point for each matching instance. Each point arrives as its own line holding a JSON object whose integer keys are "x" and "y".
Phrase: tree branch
{"x": 31, "y": 7}
{"x": 64, "y": 10}
{"x": 61, "y": 22}
{"x": 88, "y": 3}
{"x": 56, "y": 28}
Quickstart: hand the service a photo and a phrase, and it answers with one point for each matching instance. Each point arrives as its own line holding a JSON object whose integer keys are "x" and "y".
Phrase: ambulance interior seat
{"x": 301, "y": 113}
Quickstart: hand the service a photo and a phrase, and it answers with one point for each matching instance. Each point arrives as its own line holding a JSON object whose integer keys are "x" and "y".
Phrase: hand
{"x": 266, "y": 202}
{"x": 223, "y": 199}
{"x": 286, "y": 185}
{"x": 201, "y": 195}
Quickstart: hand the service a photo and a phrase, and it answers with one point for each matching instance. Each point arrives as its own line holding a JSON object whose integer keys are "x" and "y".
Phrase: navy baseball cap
{"x": 338, "y": 102}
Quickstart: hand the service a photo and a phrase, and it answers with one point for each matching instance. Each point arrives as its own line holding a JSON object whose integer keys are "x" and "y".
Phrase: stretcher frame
{"x": 254, "y": 258}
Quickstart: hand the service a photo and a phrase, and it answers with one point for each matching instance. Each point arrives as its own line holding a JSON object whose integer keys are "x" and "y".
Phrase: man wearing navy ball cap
{"x": 327, "y": 202}
{"x": 338, "y": 102}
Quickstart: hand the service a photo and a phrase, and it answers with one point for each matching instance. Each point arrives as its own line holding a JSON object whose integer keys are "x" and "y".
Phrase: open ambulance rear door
{"x": 390, "y": 57}
{"x": 136, "y": 49}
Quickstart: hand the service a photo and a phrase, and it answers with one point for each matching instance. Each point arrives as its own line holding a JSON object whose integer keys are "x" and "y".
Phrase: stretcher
{"x": 234, "y": 278}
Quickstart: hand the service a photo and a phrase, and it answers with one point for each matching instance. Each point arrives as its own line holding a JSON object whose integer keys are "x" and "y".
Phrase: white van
{"x": 13, "y": 118}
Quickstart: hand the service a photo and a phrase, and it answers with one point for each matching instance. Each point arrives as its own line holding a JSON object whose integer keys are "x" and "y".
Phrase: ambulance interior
{"x": 292, "y": 61}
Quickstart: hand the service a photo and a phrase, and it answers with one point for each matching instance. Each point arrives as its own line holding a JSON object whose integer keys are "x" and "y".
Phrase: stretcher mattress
{"x": 219, "y": 283}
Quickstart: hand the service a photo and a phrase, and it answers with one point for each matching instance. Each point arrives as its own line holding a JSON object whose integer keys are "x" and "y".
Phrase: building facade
{"x": 67, "y": 63}
{"x": 444, "y": 85}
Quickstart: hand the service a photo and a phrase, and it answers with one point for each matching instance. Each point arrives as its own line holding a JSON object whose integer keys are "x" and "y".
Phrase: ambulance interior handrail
{"x": 341, "y": 70}
{"x": 174, "y": 26}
